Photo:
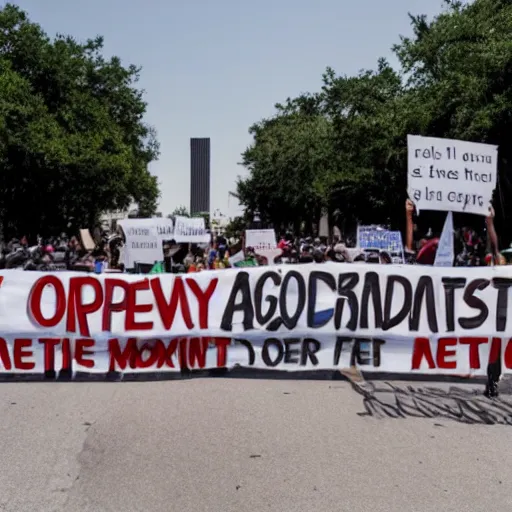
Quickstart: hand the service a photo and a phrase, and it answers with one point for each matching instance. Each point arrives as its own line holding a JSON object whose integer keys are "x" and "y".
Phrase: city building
{"x": 199, "y": 176}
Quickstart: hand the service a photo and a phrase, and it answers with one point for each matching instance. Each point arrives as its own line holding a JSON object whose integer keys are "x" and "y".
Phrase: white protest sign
{"x": 445, "y": 253}
{"x": 144, "y": 239}
{"x": 451, "y": 175}
{"x": 236, "y": 258}
{"x": 190, "y": 230}
{"x": 260, "y": 239}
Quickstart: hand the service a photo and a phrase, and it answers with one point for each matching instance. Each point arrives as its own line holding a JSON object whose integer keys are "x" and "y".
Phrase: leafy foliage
{"x": 72, "y": 138}
{"x": 344, "y": 147}
{"x": 180, "y": 211}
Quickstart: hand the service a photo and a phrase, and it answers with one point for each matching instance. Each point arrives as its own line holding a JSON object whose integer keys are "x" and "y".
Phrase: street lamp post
{"x": 256, "y": 220}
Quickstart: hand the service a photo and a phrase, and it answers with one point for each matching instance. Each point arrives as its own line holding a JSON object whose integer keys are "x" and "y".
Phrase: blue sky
{"x": 212, "y": 68}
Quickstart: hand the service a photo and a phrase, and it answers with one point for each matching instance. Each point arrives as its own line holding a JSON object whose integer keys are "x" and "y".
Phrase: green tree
{"x": 460, "y": 68}
{"x": 288, "y": 160}
{"x": 73, "y": 142}
{"x": 180, "y": 211}
{"x": 332, "y": 149}
{"x": 236, "y": 228}
{"x": 205, "y": 216}
{"x": 454, "y": 81}
{"x": 364, "y": 110}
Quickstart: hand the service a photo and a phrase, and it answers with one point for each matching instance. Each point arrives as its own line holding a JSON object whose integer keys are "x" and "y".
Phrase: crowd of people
{"x": 471, "y": 249}
{"x": 63, "y": 253}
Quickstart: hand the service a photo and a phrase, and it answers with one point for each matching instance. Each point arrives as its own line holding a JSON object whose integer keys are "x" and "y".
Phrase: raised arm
{"x": 491, "y": 234}
{"x": 409, "y": 225}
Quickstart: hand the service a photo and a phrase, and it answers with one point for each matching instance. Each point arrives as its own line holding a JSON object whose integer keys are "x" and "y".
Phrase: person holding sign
{"x": 471, "y": 254}
{"x": 427, "y": 246}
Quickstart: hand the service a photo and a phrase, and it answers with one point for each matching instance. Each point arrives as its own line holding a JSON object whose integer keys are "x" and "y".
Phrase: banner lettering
{"x": 298, "y": 317}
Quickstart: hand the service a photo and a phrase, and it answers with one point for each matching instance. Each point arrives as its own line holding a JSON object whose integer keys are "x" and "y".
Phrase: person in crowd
{"x": 250, "y": 258}
{"x": 493, "y": 256}
{"x": 330, "y": 255}
{"x": 360, "y": 258}
{"x": 373, "y": 258}
{"x": 318, "y": 256}
{"x": 212, "y": 255}
{"x": 342, "y": 255}
{"x": 191, "y": 267}
{"x": 221, "y": 244}
{"x": 306, "y": 254}
{"x": 189, "y": 258}
{"x": 167, "y": 256}
{"x": 385, "y": 258}
{"x": 200, "y": 264}
{"x": 71, "y": 251}
{"x": 471, "y": 252}
{"x": 283, "y": 243}
{"x": 426, "y": 247}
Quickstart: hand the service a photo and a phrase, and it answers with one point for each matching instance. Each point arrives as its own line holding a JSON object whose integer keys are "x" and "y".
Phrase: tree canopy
{"x": 73, "y": 142}
{"x": 344, "y": 147}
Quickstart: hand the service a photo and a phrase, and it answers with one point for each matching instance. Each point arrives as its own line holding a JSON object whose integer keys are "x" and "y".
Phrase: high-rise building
{"x": 199, "y": 175}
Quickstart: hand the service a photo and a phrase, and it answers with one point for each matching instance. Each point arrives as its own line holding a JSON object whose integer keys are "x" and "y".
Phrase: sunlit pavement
{"x": 226, "y": 445}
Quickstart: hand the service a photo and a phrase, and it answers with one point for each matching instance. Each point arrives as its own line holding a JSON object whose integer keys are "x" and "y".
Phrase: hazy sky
{"x": 212, "y": 68}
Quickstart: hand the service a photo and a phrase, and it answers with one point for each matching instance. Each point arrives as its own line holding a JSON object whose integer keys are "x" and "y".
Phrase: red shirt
{"x": 427, "y": 254}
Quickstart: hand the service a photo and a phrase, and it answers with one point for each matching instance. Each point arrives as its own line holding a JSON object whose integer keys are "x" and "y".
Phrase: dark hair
{"x": 318, "y": 256}
{"x": 372, "y": 257}
{"x": 385, "y": 257}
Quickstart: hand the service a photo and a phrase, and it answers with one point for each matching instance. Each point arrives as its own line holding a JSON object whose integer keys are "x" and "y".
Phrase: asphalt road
{"x": 222, "y": 445}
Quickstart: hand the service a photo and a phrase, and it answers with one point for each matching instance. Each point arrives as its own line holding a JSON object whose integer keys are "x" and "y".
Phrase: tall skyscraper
{"x": 199, "y": 175}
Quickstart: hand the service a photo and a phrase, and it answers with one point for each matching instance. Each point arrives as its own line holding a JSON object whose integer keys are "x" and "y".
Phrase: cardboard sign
{"x": 451, "y": 175}
{"x": 191, "y": 230}
{"x": 260, "y": 239}
{"x": 144, "y": 238}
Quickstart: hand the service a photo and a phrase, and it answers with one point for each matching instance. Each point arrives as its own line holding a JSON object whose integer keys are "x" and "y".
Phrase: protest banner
{"x": 451, "y": 175}
{"x": 468, "y": 356}
{"x": 397, "y": 319}
{"x": 190, "y": 230}
{"x": 144, "y": 239}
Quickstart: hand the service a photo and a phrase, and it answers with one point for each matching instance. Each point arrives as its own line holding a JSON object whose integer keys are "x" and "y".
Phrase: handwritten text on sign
{"x": 451, "y": 175}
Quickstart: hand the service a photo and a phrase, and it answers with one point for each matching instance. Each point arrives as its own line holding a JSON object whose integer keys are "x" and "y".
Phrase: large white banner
{"x": 451, "y": 175}
{"x": 384, "y": 317}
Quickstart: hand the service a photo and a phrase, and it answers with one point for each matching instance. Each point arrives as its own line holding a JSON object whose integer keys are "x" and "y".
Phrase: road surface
{"x": 226, "y": 445}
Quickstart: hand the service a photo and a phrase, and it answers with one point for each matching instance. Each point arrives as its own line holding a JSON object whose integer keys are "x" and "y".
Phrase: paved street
{"x": 223, "y": 445}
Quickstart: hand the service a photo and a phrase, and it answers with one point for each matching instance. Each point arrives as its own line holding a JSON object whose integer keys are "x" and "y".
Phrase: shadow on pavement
{"x": 384, "y": 395}
{"x": 461, "y": 404}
